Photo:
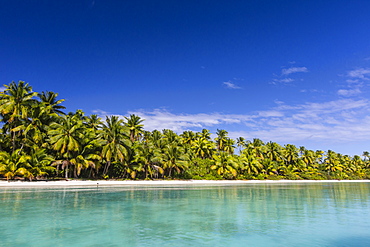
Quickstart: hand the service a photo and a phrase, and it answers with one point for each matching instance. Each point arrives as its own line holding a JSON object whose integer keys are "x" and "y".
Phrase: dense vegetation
{"x": 38, "y": 141}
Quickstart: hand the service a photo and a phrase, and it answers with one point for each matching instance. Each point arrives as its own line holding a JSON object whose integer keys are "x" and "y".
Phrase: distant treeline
{"x": 40, "y": 141}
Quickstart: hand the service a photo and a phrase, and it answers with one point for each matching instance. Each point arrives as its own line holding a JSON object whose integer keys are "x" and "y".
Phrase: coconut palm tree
{"x": 93, "y": 122}
{"x": 134, "y": 125}
{"x": 65, "y": 138}
{"x": 115, "y": 142}
{"x": 16, "y": 100}
{"x": 273, "y": 151}
{"x": 150, "y": 158}
{"x": 290, "y": 154}
{"x": 203, "y": 148}
{"x": 39, "y": 163}
{"x": 366, "y": 155}
{"x": 225, "y": 164}
{"x": 15, "y": 103}
{"x": 221, "y": 139}
{"x": 229, "y": 146}
{"x": 35, "y": 127}
{"x": 86, "y": 159}
{"x": 250, "y": 163}
{"x": 257, "y": 148}
{"x": 50, "y": 102}
{"x": 13, "y": 164}
{"x": 241, "y": 143}
{"x": 173, "y": 157}
{"x": 170, "y": 137}
{"x": 332, "y": 162}
{"x": 188, "y": 137}
{"x": 204, "y": 134}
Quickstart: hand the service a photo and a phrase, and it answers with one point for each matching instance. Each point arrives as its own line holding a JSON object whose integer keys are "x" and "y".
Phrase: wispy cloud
{"x": 231, "y": 85}
{"x": 284, "y": 80}
{"x": 163, "y": 119}
{"x": 2, "y": 88}
{"x": 293, "y": 70}
{"x": 338, "y": 121}
{"x": 101, "y": 113}
{"x": 349, "y": 92}
{"x": 355, "y": 82}
{"x": 359, "y": 73}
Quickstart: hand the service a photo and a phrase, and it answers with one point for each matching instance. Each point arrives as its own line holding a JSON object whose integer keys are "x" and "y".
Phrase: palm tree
{"x": 250, "y": 163}
{"x": 229, "y": 146}
{"x": 270, "y": 167}
{"x": 35, "y": 127}
{"x": 257, "y": 148}
{"x": 203, "y": 148}
{"x": 204, "y": 134}
{"x": 86, "y": 159}
{"x": 173, "y": 157}
{"x": 156, "y": 138}
{"x": 15, "y": 100}
{"x": 13, "y": 164}
{"x": 134, "y": 125}
{"x": 39, "y": 163}
{"x": 93, "y": 122}
{"x": 115, "y": 142}
{"x": 290, "y": 154}
{"x": 221, "y": 139}
{"x": 170, "y": 137}
{"x": 188, "y": 137}
{"x": 366, "y": 155}
{"x": 150, "y": 158}
{"x": 52, "y": 105}
{"x": 225, "y": 165}
{"x": 240, "y": 142}
{"x": 65, "y": 138}
{"x": 332, "y": 162}
{"x": 273, "y": 151}
{"x": 308, "y": 157}
{"x": 15, "y": 103}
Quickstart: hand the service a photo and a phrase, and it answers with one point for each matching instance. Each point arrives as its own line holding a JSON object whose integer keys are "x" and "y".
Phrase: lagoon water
{"x": 318, "y": 214}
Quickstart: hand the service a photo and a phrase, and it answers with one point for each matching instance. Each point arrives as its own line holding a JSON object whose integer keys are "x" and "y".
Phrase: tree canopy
{"x": 39, "y": 141}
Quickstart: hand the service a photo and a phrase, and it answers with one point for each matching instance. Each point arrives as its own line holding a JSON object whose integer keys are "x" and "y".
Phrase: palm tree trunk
{"x": 13, "y": 141}
{"x": 169, "y": 173}
{"x": 146, "y": 171}
{"x": 106, "y": 167}
{"x": 66, "y": 172}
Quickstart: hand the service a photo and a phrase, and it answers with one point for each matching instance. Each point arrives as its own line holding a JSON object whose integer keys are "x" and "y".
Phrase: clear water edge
{"x": 324, "y": 214}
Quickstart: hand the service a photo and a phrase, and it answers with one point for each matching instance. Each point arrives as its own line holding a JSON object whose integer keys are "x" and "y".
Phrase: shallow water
{"x": 323, "y": 214}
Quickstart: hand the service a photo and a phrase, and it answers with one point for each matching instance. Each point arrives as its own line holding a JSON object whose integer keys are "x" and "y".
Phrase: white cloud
{"x": 162, "y": 119}
{"x": 231, "y": 85}
{"x": 359, "y": 73}
{"x": 2, "y": 89}
{"x": 101, "y": 113}
{"x": 293, "y": 70}
{"x": 339, "y": 121}
{"x": 351, "y": 81}
{"x": 285, "y": 80}
{"x": 349, "y": 92}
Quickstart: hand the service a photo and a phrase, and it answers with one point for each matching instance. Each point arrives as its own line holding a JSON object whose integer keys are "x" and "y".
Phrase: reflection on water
{"x": 320, "y": 214}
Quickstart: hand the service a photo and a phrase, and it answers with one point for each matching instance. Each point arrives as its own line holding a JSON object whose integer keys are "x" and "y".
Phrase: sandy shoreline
{"x": 104, "y": 183}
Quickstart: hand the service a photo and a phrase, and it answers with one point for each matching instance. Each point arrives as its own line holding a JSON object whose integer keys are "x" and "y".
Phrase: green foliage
{"x": 39, "y": 140}
{"x": 200, "y": 169}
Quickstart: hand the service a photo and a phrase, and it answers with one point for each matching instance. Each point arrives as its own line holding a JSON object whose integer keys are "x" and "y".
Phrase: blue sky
{"x": 288, "y": 71}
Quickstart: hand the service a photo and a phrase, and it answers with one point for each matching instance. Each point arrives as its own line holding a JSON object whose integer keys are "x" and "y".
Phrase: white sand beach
{"x": 102, "y": 183}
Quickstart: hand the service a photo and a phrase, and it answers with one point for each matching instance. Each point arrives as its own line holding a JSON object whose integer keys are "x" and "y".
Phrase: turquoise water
{"x": 325, "y": 214}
